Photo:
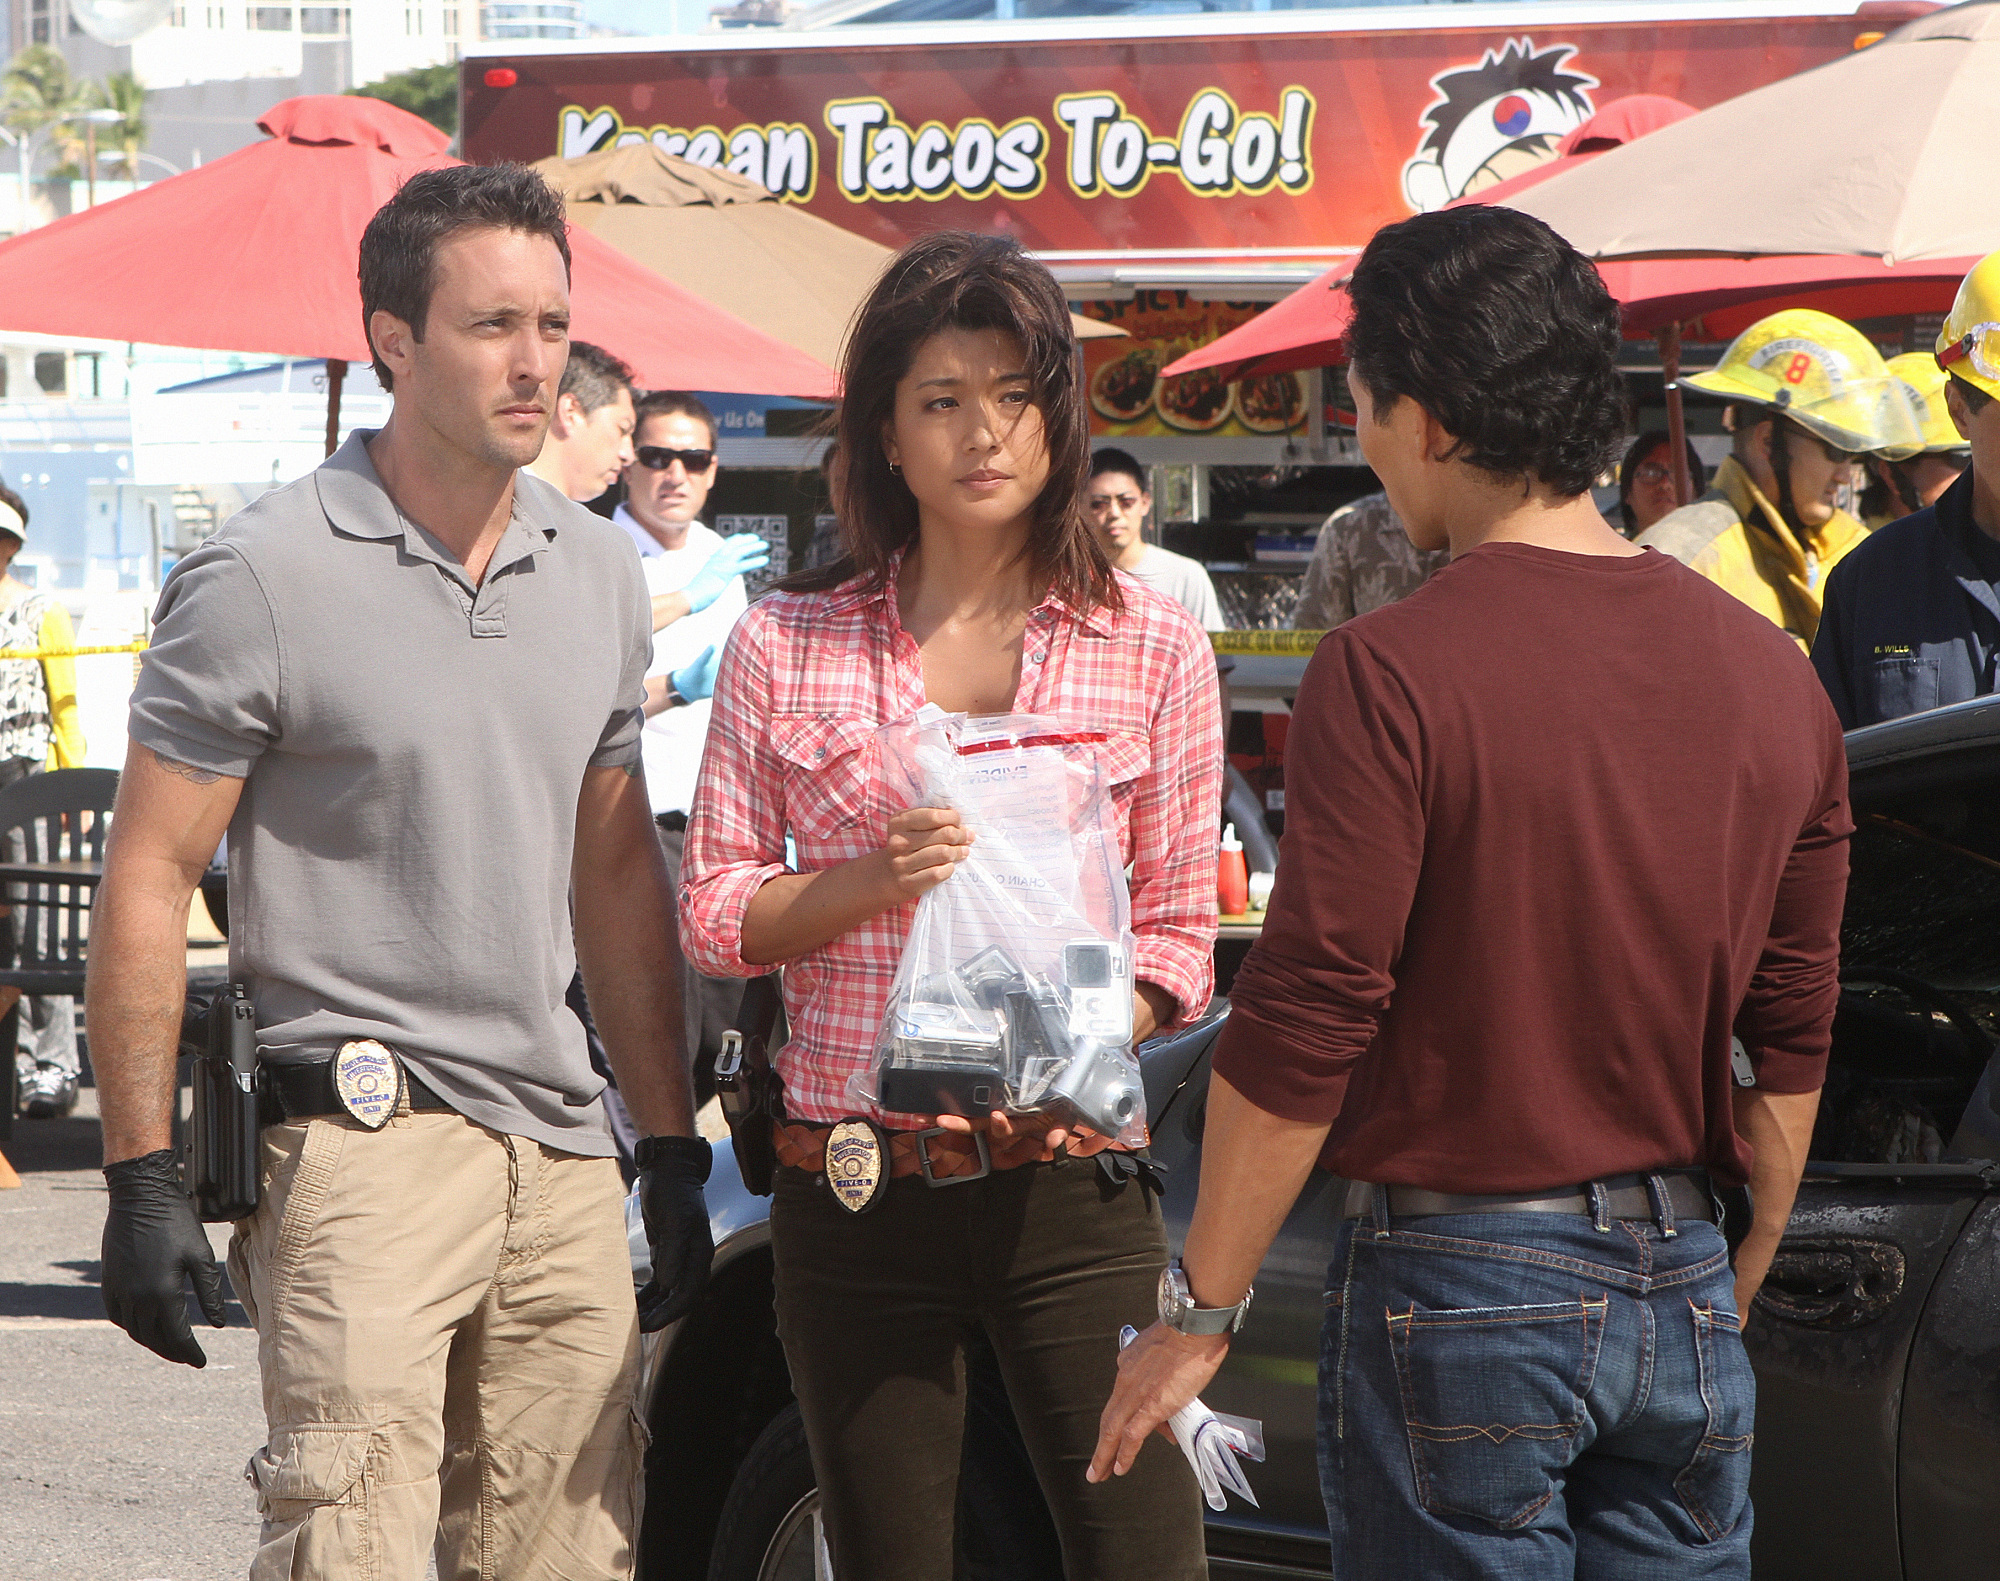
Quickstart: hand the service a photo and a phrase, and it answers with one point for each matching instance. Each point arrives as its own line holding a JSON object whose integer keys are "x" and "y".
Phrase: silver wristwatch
{"x": 1178, "y": 1311}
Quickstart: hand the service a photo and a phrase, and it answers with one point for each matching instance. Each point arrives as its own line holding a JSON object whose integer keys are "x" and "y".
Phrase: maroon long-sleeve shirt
{"x": 1556, "y": 826}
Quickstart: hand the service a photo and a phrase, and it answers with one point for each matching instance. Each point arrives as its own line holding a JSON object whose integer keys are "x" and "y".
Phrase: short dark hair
{"x": 1742, "y": 417}
{"x": 9, "y": 497}
{"x": 1503, "y": 332}
{"x": 673, "y": 403}
{"x": 1975, "y": 398}
{"x": 1110, "y": 459}
{"x": 399, "y": 248}
{"x": 593, "y": 376}
{"x": 963, "y": 280}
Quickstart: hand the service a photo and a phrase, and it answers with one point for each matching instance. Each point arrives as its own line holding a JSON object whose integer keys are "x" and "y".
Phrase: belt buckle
{"x": 924, "y": 1158}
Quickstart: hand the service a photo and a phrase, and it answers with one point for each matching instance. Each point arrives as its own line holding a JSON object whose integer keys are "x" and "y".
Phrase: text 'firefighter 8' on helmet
{"x": 1969, "y": 344}
{"x": 1919, "y": 370}
{"x": 1824, "y": 375}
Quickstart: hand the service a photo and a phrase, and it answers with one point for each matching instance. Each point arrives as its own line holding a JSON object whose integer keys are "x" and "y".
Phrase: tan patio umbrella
{"x": 727, "y": 239}
{"x": 1887, "y": 152}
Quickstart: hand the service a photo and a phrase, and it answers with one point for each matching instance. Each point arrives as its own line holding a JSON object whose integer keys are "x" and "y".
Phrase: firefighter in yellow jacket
{"x": 1808, "y": 396}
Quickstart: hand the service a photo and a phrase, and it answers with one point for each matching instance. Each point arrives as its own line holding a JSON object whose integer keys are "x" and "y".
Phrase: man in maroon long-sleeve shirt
{"x": 1566, "y": 826}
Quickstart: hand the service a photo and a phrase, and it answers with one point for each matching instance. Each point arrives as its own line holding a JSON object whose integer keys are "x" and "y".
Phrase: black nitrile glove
{"x": 672, "y": 1170}
{"x": 153, "y": 1244}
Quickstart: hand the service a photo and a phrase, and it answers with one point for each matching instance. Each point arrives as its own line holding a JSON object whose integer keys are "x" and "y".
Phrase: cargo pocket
{"x": 312, "y": 1492}
{"x": 1715, "y": 1486}
{"x": 828, "y": 764}
{"x": 1493, "y": 1400}
{"x": 1903, "y": 686}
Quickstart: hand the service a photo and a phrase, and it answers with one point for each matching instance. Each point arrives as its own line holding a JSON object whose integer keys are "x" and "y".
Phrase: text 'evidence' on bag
{"x": 1014, "y": 990}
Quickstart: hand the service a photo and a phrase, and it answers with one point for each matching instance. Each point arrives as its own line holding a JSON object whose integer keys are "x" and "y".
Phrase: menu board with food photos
{"x": 1130, "y": 398}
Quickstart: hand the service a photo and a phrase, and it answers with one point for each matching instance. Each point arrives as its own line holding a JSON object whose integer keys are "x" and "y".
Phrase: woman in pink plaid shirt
{"x": 970, "y": 580}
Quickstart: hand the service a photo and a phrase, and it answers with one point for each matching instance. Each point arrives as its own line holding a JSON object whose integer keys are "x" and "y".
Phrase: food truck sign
{"x": 1205, "y": 137}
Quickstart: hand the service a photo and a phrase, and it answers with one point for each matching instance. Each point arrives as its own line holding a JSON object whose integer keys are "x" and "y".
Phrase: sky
{"x": 649, "y": 16}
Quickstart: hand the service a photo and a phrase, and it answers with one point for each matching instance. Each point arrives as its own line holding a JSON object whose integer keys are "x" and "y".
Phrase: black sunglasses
{"x": 657, "y": 458}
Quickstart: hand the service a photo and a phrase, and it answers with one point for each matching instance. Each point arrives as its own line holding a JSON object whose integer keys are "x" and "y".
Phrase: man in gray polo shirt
{"x": 395, "y": 684}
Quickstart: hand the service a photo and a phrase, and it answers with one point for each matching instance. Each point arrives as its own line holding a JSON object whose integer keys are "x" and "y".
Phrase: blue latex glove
{"x": 744, "y": 552}
{"x": 696, "y": 679}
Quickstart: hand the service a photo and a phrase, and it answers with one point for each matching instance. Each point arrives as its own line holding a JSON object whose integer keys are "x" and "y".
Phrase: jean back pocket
{"x": 1493, "y": 1402}
{"x": 1714, "y": 1486}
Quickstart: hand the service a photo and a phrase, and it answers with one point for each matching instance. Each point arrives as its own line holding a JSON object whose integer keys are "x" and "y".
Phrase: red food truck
{"x": 1177, "y": 173}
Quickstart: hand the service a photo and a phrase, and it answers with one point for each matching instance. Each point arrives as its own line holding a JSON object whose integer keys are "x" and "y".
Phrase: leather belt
{"x": 305, "y": 1092}
{"x": 1686, "y": 1192}
{"x": 943, "y": 1158}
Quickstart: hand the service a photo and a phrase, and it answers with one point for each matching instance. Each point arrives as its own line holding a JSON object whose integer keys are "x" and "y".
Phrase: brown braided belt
{"x": 942, "y": 1157}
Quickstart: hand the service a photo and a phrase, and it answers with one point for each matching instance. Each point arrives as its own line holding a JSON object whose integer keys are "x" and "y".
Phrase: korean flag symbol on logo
{"x": 857, "y": 1164}
{"x": 368, "y": 1081}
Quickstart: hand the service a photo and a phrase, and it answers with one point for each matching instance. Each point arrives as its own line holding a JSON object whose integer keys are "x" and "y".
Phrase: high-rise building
{"x": 211, "y": 69}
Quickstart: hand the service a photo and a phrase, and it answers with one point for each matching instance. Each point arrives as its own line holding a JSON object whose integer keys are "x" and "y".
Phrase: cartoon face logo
{"x": 1495, "y": 120}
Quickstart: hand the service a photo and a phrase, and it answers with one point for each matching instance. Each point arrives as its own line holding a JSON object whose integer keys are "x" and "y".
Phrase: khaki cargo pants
{"x": 449, "y": 1348}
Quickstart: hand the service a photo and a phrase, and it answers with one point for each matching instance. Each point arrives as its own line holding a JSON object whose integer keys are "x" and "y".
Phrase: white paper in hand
{"x": 1212, "y": 1444}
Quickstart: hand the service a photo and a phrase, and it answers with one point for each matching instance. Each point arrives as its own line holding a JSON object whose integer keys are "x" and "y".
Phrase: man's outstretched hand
{"x": 153, "y": 1244}
{"x": 1158, "y": 1373}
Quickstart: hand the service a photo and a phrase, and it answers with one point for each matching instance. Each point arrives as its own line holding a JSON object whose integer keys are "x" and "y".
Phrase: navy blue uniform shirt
{"x": 1912, "y": 616}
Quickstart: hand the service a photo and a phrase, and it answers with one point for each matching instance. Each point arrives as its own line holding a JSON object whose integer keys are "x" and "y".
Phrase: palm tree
{"x": 124, "y": 93}
{"x": 38, "y": 94}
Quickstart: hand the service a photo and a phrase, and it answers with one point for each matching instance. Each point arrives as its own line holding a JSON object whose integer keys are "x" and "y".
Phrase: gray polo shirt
{"x": 412, "y": 749}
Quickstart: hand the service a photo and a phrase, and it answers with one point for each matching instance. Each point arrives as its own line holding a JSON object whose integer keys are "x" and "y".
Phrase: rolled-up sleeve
{"x": 1786, "y": 1019}
{"x": 736, "y": 827}
{"x": 210, "y": 691}
{"x": 1311, "y": 993}
{"x": 1175, "y": 813}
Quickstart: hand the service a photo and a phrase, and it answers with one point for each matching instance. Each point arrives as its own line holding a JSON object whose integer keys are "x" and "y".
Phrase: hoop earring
{"x": 896, "y": 468}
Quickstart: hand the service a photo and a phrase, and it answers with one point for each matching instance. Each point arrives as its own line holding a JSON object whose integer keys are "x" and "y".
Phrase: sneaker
{"x": 48, "y": 1094}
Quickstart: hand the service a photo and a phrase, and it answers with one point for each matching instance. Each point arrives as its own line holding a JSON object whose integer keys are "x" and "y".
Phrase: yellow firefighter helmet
{"x": 1919, "y": 370}
{"x": 1969, "y": 344}
{"x": 1824, "y": 375}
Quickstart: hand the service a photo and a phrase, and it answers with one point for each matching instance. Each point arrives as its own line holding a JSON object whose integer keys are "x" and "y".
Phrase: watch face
{"x": 1173, "y": 1302}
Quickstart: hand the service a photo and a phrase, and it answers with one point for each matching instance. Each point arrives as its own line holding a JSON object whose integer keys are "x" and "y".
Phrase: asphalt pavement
{"x": 114, "y": 1464}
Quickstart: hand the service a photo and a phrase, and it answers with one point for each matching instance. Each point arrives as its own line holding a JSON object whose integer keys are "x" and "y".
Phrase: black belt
{"x": 1686, "y": 1192}
{"x": 305, "y": 1092}
{"x": 672, "y": 822}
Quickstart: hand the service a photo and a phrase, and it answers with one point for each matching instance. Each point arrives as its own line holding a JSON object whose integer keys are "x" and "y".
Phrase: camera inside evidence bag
{"x": 992, "y": 1034}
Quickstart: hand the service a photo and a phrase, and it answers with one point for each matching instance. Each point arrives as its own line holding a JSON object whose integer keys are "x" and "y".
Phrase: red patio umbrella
{"x": 1726, "y": 295}
{"x": 256, "y": 252}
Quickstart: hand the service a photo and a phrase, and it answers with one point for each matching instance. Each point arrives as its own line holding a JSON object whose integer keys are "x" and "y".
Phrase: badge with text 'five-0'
{"x": 368, "y": 1081}
{"x": 857, "y": 1164}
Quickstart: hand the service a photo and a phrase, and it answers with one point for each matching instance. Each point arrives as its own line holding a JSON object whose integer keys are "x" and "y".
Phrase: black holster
{"x": 748, "y": 1088}
{"x": 222, "y": 1168}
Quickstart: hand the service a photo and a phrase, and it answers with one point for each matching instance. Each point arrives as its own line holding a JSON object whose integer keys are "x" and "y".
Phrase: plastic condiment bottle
{"x": 1232, "y": 876}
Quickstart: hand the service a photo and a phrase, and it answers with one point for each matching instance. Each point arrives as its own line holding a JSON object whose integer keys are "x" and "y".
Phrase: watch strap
{"x": 1207, "y": 1320}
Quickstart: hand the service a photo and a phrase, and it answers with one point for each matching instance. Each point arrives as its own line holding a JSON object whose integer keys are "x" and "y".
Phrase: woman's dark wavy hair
{"x": 1503, "y": 332}
{"x": 961, "y": 280}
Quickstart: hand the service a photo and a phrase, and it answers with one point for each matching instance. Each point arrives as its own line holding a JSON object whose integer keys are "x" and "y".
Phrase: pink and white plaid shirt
{"x": 806, "y": 681}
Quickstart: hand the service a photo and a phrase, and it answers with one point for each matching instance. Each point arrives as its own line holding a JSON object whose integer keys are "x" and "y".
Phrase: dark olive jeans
{"x": 877, "y": 1311}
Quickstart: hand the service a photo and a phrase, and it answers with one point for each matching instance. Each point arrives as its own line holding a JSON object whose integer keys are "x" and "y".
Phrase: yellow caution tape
{"x": 1300, "y": 643}
{"x": 69, "y": 653}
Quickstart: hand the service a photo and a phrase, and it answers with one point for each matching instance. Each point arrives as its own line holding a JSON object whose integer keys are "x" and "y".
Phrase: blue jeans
{"x": 1525, "y": 1397}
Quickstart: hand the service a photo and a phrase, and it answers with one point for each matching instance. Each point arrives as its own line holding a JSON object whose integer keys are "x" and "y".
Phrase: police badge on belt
{"x": 368, "y": 1080}
{"x": 857, "y": 1163}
